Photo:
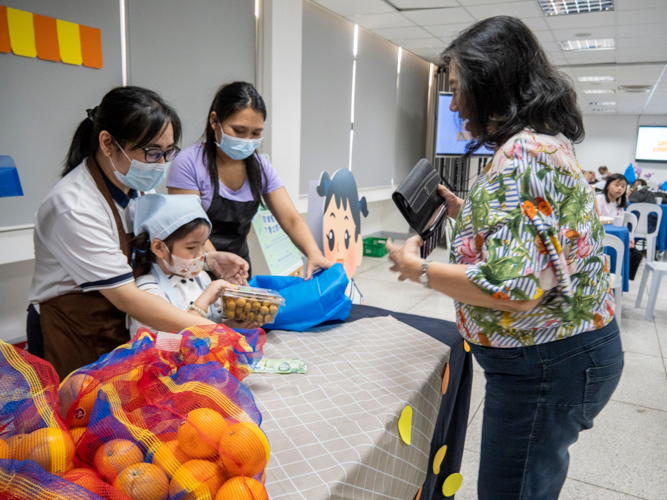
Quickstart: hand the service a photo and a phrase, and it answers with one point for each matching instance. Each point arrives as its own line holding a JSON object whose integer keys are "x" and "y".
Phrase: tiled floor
{"x": 624, "y": 456}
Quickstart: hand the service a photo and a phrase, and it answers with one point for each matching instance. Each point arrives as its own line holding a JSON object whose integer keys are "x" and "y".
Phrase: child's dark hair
{"x": 343, "y": 188}
{"x": 141, "y": 244}
{"x": 132, "y": 115}
{"x": 230, "y": 99}
{"x": 622, "y": 201}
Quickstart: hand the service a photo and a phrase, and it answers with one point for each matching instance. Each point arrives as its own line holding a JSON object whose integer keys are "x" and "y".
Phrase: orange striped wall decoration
{"x": 33, "y": 35}
{"x": 5, "y": 45}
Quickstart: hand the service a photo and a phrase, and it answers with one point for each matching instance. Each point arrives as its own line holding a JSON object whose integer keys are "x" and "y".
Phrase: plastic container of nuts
{"x": 246, "y": 303}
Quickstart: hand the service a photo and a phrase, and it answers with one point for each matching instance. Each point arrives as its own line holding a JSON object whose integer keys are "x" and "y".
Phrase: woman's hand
{"x": 229, "y": 266}
{"x": 405, "y": 259}
{"x": 632, "y": 244}
{"x": 454, "y": 203}
{"x": 316, "y": 262}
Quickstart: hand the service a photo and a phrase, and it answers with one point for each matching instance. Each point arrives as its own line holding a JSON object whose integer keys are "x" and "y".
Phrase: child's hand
{"x": 212, "y": 293}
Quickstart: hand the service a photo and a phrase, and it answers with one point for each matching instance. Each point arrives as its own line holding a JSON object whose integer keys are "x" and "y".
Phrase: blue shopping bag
{"x": 308, "y": 303}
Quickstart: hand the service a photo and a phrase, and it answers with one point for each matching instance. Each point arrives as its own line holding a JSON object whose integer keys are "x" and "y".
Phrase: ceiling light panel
{"x": 594, "y": 44}
{"x": 604, "y": 103}
{"x": 596, "y": 78}
{"x": 566, "y": 7}
{"x": 599, "y": 91}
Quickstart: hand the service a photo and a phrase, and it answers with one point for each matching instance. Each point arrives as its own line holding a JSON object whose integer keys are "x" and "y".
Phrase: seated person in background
{"x": 169, "y": 255}
{"x": 640, "y": 193}
{"x": 604, "y": 172}
{"x": 590, "y": 176}
{"x": 611, "y": 203}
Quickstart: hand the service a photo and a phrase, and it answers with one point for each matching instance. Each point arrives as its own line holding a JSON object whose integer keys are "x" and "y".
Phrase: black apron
{"x": 231, "y": 222}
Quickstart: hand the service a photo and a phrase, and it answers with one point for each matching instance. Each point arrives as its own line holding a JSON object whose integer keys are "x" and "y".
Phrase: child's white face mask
{"x": 187, "y": 268}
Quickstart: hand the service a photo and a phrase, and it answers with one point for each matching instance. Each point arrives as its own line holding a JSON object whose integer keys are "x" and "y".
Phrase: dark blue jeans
{"x": 538, "y": 399}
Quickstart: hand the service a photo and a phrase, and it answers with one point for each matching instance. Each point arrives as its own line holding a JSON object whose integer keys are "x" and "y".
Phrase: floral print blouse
{"x": 527, "y": 231}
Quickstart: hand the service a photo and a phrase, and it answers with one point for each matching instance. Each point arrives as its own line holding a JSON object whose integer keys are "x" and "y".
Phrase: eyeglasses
{"x": 153, "y": 155}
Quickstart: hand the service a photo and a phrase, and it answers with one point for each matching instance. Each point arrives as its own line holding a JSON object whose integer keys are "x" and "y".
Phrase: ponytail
{"x": 84, "y": 144}
{"x": 132, "y": 115}
{"x": 143, "y": 256}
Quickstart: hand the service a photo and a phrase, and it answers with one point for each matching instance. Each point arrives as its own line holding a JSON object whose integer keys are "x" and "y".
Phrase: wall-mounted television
{"x": 651, "y": 144}
{"x": 451, "y": 137}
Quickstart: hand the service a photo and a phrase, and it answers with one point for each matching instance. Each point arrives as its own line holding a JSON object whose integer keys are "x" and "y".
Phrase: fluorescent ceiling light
{"x": 601, "y": 44}
{"x": 604, "y": 110}
{"x": 605, "y": 103}
{"x": 565, "y": 7}
{"x": 599, "y": 91}
{"x": 597, "y": 78}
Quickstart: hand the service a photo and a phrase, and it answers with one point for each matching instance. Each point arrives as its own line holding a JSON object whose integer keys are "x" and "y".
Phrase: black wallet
{"x": 418, "y": 200}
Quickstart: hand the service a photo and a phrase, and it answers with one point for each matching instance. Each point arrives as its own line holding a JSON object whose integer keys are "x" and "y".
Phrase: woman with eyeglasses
{"x": 83, "y": 285}
{"x": 232, "y": 179}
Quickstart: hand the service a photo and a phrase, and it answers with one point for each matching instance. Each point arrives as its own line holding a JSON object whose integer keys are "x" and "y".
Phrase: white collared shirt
{"x": 77, "y": 247}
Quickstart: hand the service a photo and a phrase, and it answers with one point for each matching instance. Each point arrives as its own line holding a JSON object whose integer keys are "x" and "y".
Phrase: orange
{"x": 18, "y": 448}
{"x": 69, "y": 390}
{"x": 5, "y": 451}
{"x": 244, "y": 449}
{"x": 86, "y": 478}
{"x": 170, "y": 457}
{"x": 53, "y": 449}
{"x": 242, "y": 488}
{"x": 114, "y": 456}
{"x": 196, "y": 479}
{"x": 200, "y": 432}
{"x": 143, "y": 482}
{"x": 76, "y": 433}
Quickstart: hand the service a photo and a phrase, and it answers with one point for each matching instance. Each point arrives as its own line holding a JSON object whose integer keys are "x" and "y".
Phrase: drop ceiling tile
{"x": 653, "y": 29}
{"x": 648, "y": 42}
{"x": 423, "y": 4}
{"x": 378, "y": 21}
{"x": 597, "y": 32}
{"x": 645, "y": 16}
{"x": 536, "y": 23}
{"x": 621, "y": 5}
{"x": 356, "y": 7}
{"x": 422, "y": 43}
{"x": 517, "y": 9}
{"x": 403, "y": 33}
{"x": 468, "y": 3}
{"x": 641, "y": 55}
{"x": 551, "y": 47}
{"x": 433, "y": 17}
{"x": 579, "y": 21}
{"x": 544, "y": 36}
{"x": 447, "y": 31}
{"x": 431, "y": 55}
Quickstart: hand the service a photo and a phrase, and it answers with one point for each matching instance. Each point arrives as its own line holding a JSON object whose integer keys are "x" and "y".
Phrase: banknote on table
{"x": 281, "y": 366}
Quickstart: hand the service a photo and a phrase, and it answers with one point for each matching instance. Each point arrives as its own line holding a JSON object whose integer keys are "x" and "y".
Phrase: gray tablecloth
{"x": 334, "y": 431}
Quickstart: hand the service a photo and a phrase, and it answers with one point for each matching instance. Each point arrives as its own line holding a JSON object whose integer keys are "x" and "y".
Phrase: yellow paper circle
{"x": 437, "y": 460}
{"x": 445, "y": 379}
{"x": 405, "y": 424}
{"x": 452, "y": 484}
{"x": 466, "y": 347}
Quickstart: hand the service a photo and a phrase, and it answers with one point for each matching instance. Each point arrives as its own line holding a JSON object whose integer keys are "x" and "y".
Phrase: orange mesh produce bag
{"x": 197, "y": 429}
{"x": 35, "y": 443}
{"x": 160, "y": 355}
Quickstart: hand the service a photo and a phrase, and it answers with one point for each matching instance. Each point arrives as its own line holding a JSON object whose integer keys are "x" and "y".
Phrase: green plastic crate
{"x": 375, "y": 247}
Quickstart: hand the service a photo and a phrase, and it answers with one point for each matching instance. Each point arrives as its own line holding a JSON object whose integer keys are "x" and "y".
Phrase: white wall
{"x": 612, "y": 140}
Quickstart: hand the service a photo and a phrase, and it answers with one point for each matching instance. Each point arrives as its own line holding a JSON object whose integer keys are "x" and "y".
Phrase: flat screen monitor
{"x": 451, "y": 137}
{"x": 651, "y": 144}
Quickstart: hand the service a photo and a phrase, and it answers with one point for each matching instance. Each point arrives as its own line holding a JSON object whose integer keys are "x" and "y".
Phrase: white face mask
{"x": 141, "y": 176}
{"x": 186, "y": 268}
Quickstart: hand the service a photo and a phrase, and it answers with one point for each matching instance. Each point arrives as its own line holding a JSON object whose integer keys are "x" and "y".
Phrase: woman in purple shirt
{"x": 231, "y": 178}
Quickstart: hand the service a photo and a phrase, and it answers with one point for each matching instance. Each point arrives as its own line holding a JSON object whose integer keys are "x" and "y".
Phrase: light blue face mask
{"x": 141, "y": 176}
{"x": 236, "y": 148}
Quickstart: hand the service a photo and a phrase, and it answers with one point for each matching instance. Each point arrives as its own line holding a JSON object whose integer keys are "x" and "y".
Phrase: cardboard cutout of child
{"x": 341, "y": 224}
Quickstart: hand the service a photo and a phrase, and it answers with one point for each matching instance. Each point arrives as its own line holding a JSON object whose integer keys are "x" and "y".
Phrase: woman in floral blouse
{"x": 527, "y": 270}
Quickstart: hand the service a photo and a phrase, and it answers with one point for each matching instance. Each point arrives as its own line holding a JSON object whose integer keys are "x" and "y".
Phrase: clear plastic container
{"x": 245, "y": 303}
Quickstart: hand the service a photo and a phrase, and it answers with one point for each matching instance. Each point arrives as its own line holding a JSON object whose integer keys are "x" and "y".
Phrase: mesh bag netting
{"x": 164, "y": 417}
{"x": 35, "y": 444}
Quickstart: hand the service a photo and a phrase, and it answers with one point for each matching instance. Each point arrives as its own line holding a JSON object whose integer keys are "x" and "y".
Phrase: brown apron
{"x": 80, "y": 327}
